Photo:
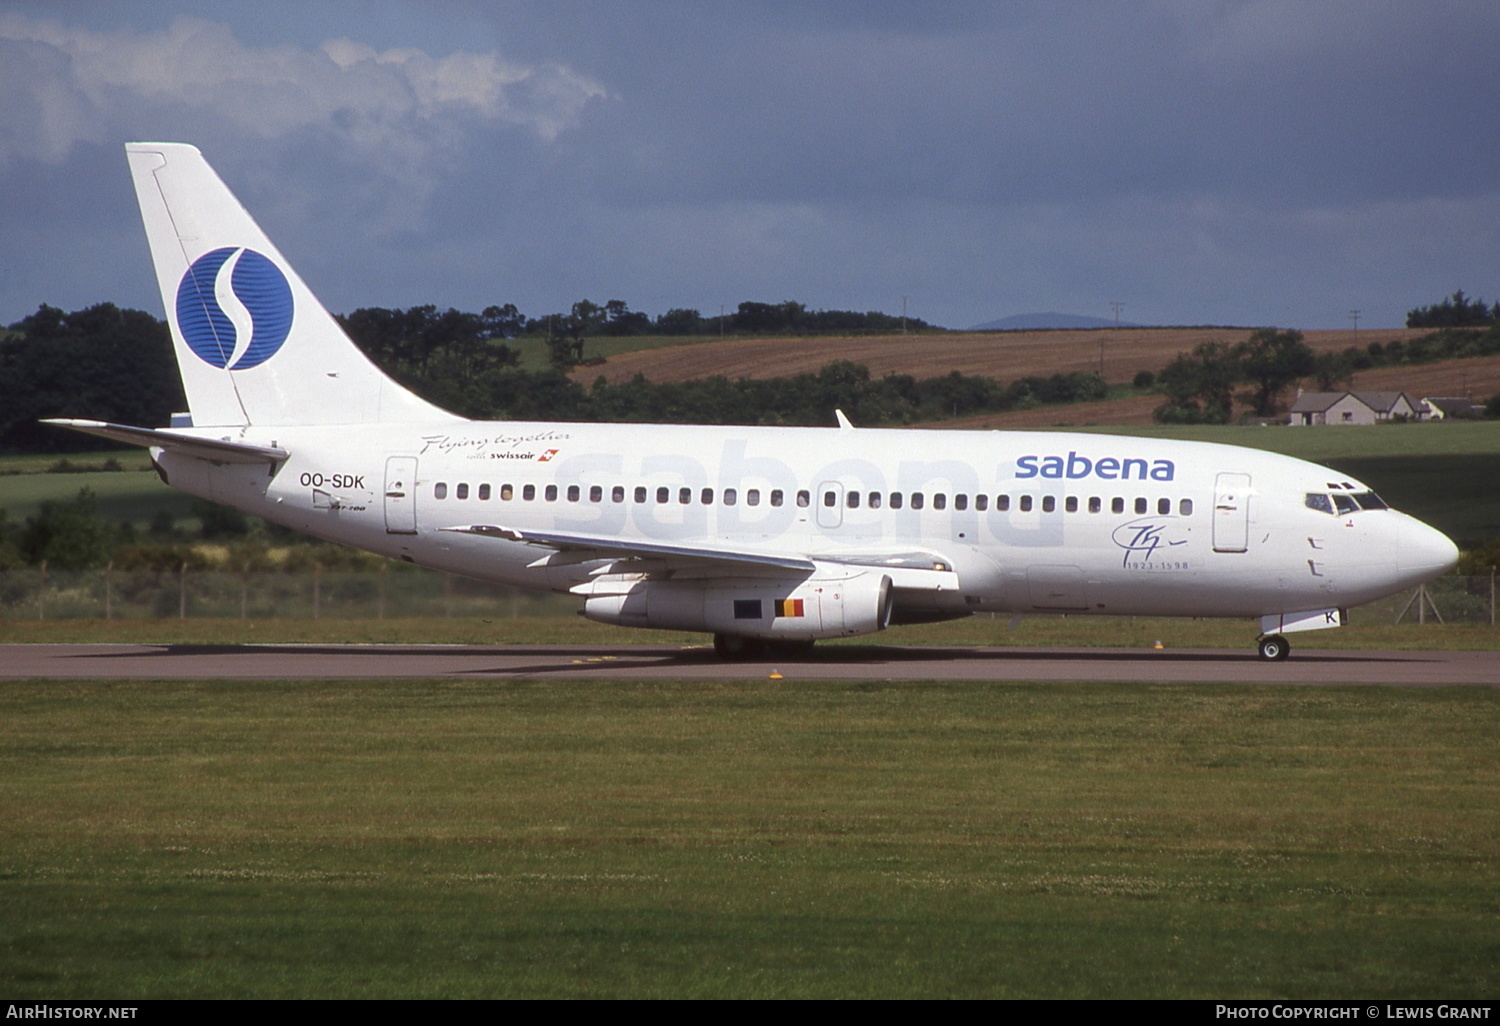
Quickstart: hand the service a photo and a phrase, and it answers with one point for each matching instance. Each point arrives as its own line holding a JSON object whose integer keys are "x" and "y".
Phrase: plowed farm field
{"x": 1478, "y": 377}
{"x": 1008, "y": 355}
{"x": 1001, "y": 355}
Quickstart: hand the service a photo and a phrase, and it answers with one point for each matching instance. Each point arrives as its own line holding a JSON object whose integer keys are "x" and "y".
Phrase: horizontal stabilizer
{"x": 217, "y": 450}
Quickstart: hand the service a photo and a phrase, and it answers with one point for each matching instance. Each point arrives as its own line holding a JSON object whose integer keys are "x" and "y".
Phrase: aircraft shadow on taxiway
{"x": 631, "y": 656}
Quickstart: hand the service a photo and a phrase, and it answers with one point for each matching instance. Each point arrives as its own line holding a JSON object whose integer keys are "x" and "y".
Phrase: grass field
{"x": 747, "y": 840}
{"x": 534, "y": 354}
{"x": 133, "y": 496}
{"x": 1369, "y": 628}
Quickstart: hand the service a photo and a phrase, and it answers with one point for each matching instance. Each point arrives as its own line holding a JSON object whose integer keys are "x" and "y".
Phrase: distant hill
{"x": 1048, "y": 322}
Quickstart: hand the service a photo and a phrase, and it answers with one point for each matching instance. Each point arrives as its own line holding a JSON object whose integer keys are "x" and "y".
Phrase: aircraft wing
{"x": 921, "y": 570}
{"x": 594, "y": 547}
{"x": 217, "y": 450}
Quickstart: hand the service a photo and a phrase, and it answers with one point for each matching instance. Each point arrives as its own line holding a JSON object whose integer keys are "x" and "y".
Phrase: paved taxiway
{"x": 660, "y": 662}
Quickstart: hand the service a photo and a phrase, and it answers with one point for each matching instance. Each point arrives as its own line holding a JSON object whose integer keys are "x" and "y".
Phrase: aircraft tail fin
{"x": 254, "y": 346}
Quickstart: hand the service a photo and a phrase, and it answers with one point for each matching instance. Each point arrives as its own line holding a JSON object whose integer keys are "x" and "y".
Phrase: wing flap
{"x": 921, "y": 571}
{"x": 619, "y": 548}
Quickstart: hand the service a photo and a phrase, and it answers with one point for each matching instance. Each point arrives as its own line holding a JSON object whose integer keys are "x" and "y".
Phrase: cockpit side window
{"x": 1319, "y": 502}
{"x": 1344, "y": 503}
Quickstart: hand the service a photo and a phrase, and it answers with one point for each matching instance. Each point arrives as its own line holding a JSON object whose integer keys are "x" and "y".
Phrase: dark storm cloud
{"x": 1303, "y": 102}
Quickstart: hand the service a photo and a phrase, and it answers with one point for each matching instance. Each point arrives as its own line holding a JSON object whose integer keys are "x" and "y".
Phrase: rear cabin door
{"x": 401, "y": 495}
{"x": 1232, "y": 513}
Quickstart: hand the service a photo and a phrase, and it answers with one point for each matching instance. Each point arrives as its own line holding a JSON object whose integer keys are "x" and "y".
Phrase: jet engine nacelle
{"x": 835, "y": 602}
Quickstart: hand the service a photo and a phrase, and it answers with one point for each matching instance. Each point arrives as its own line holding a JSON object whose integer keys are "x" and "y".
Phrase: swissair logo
{"x": 546, "y": 456}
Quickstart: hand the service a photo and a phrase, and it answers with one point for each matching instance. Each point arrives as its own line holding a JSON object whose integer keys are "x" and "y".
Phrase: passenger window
{"x": 1185, "y": 507}
{"x": 640, "y": 494}
{"x": 1025, "y": 504}
{"x": 462, "y": 491}
{"x": 730, "y": 496}
{"x": 873, "y": 500}
{"x": 1117, "y": 505}
{"x": 551, "y": 493}
{"x": 528, "y": 493}
{"x": 573, "y": 493}
{"x": 684, "y": 496}
{"x": 1002, "y": 503}
{"x": 752, "y": 497}
{"x": 1344, "y": 503}
{"x": 1095, "y": 504}
{"x": 706, "y": 496}
{"x": 663, "y": 494}
{"x": 776, "y": 497}
{"x": 1163, "y": 506}
{"x": 960, "y": 502}
{"x": 896, "y": 500}
{"x": 804, "y": 499}
{"x": 440, "y": 490}
{"x": 852, "y": 499}
{"x": 596, "y": 493}
{"x": 830, "y": 499}
{"x": 484, "y": 493}
{"x": 940, "y": 501}
{"x": 617, "y": 494}
{"x": 981, "y": 502}
{"x": 1140, "y": 505}
{"x": 917, "y": 500}
{"x": 1070, "y": 504}
{"x": 1049, "y": 503}
{"x": 507, "y": 493}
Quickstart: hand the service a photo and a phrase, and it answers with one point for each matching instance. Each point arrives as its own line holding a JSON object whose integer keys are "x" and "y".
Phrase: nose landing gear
{"x": 1273, "y": 647}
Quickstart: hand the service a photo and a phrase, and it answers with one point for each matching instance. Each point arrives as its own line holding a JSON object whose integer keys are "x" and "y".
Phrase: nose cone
{"x": 1422, "y": 552}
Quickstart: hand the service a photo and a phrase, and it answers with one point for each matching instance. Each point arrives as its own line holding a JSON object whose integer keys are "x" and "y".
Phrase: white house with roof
{"x": 1313, "y": 408}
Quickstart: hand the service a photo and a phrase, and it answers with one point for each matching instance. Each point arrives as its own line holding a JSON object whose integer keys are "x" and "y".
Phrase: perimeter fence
{"x": 44, "y": 594}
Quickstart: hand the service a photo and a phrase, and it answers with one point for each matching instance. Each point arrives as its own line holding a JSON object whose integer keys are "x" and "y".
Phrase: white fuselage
{"x": 1041, "y": 521}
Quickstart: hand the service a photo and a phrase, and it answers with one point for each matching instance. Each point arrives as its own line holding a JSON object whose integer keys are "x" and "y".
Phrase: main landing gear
{"x": 735, "y": 648}
{"x": 1273, "y": 647}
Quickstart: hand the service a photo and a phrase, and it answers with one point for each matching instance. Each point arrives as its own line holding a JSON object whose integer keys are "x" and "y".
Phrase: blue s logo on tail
{"x": 259, "y": 317}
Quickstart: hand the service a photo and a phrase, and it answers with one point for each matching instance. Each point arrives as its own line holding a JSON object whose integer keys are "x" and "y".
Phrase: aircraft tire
{"x": 1274, "y": 648}
{"x": 736, "y": 648}
{"x": 790, "y": 649}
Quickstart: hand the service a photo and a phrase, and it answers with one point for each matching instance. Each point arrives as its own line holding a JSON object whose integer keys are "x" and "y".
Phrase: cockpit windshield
{"x": 1339, "y": 503}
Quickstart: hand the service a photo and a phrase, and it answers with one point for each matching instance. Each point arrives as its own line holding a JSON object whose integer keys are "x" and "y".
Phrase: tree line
{"x": 1456, "y": 311}
{"x": 100, "y": 363}
{"x": 1203, "y": 386}
{"x": 108, "y": 363}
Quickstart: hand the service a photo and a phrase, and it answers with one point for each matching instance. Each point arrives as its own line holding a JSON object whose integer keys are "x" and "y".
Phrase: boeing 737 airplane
{"x": 760, "y": 536}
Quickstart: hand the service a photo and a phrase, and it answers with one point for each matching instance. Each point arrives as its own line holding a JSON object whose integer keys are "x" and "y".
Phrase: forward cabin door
{"x": 401, "y": 495}
{"x": 1232, "y": 513}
